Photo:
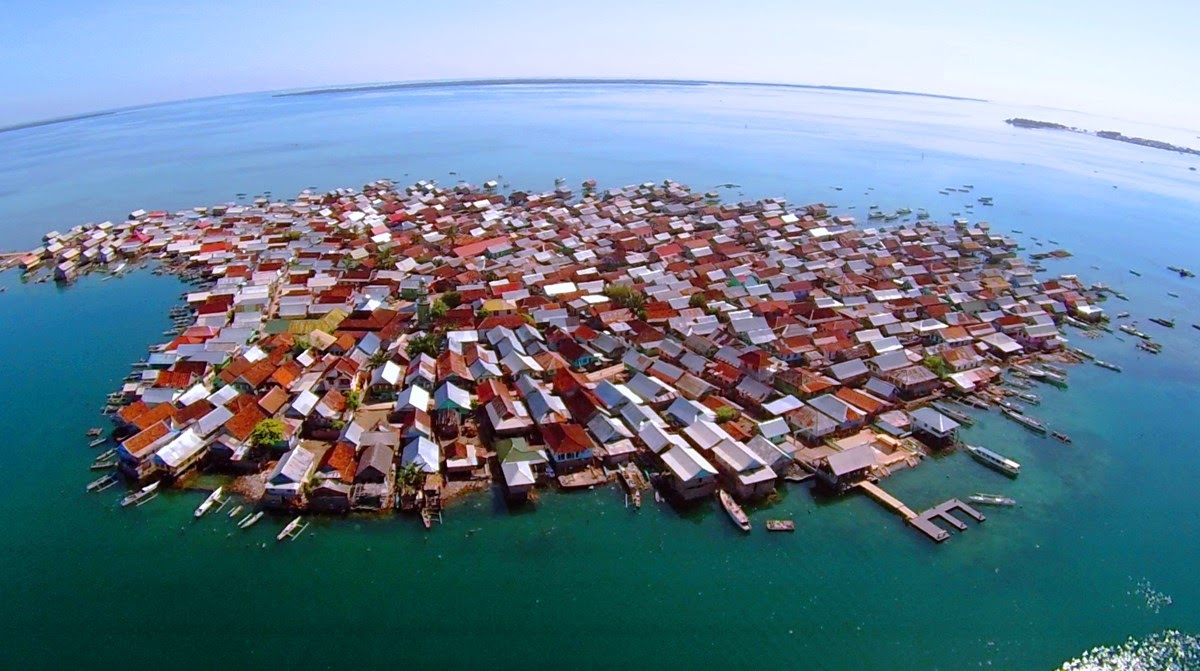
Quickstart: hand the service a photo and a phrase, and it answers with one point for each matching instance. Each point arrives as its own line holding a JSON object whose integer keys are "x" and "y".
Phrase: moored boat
{"x": 250, "y": 520}
{"x": 734, "y": 510}
{"x": 1169, "y": 323}
{"x": 209, "y": 502}
{"x": 781, "y": 525}
{"x": 991, "y": 499}
{"x": 1105, "y": 364}
{"x": 1024, "y": 420}
{"x": 140, "y": 496}
{"x": 1059, "y": 435}
{"x": 292, "y": 530}
{"x": 103, "y": 482}
{"x": 994, "y": 461}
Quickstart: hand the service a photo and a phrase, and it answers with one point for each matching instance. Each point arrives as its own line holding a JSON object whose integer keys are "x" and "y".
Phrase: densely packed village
{"x": 387, "y": 348}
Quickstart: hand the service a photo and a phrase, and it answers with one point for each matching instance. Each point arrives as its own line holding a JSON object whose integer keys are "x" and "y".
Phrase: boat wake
{"x": 1168, "y": 650}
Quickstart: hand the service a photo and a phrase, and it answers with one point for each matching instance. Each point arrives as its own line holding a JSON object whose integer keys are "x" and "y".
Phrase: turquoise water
{"x": 580, "y": 581}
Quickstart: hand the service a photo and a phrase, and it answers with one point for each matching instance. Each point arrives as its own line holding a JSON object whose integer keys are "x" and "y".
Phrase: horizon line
{"x": 450, "y": 83}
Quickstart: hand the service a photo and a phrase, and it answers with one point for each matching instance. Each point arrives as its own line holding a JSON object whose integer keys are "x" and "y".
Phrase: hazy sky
{"x": 1133, "y": 59}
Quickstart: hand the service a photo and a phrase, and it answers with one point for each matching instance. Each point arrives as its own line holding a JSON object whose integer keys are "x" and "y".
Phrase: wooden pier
{"x": 887, "y": 500}
{"x": 924, "y": 522}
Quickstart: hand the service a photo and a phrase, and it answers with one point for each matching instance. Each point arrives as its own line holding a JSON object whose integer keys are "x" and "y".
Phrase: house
{"x": 285, "y": 483}
{"x": 811, "y": 425}
{"x": 569, "y": 446}
{"x": 423, "y": 453}
{"x": 743, "y": 472}
{"x": 181, "y": 454}
{"x": 841, "y": 470}
{"x": 690, "y": 475}
{"x": 135, "y": 454}
{"x": 914, "y": 381}
{"x": 934, "y": 428}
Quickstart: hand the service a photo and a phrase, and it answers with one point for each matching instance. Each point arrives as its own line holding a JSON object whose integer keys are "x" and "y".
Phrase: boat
{"x": 1122, "y": 315}
{"x": 1105, "y": 364}
{"x": 102, "y": 483}
{"x": 292, "y": 530}
{"x": 208, "y": 502}
{"x": 1059, "y": 435}
{"x": 1032, "y": 399}
{"x": 734, "y": 510}
{"x": 994, "y": 461}
{"x": 1196, "y": 326}
{"x": 235, "y": 511}
{"x": 98, "y": 442}
{"x": 141, "y": 496}
{"x": 1172, "y": 294}
{"x": 960, "y": 417}
{"x": 1148, "y": 346}
{"x": 991, "y": 499}
{"x": 94, "y": 431}
{"x": 1024, "y": 420}
{"x": 250, "y": 520}
{"x": 426, "y": 518}
{"x": 781, "y": 525}
{"x": 1169, "y": 323}
{"x": 1134, "y": 272}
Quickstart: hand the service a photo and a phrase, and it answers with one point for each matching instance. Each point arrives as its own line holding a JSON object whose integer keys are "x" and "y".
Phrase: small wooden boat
{"x": 734, "y": 510}
{"x": 208, "y": 503}
{"x": 98, "y": 442}
{"x": 1062, "y": 437}
{"x": 426, "y": 518}
{"x": 992, "y": 499}
{"x": 250, "y": 520}
{"x": 1169, "y": 323}
{"x": 94, "y": 431}
{"x": 141, "y": 496}
{"x": 292, "y": 530}
{"x": 102, "y": 483}
{"x": 1109, "y": 366}
{"x": 235, "y": 511}
{"x": 781, "y": 525}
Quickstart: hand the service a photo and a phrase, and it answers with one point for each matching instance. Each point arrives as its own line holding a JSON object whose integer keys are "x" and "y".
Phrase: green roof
{"x": 511, "y": 450}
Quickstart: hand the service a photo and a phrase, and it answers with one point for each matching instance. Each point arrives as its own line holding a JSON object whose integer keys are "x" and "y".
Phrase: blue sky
{"x": 1135, "y": 60}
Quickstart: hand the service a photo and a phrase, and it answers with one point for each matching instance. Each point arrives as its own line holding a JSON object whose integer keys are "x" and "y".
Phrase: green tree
{"x": 409, "y": 476}
{"x": 377, "y": 359}
{"x": 353, "y": 400}
{"x": 267, "y": 433}
{"x": 698, "y": 301}
{"x": 425, "y": 343}
{"x": 726, "y": 414}
{"x": 625, "y": 296}
{"x": 438, "y": 309}
{"x": 937, "y": 364}
{"x": 452, "y": 299}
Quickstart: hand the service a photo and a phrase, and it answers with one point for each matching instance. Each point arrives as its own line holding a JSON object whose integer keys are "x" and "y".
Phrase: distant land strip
{"x": 645, "y": 82}
{"x": 51, "y": 122}
{"x": 1106, "y": 134}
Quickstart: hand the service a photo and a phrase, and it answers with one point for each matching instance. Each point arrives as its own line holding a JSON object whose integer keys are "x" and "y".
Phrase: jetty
{"x": 924, "y": 521}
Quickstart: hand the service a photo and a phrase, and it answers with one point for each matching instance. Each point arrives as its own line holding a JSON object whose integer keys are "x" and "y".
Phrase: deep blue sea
{"x": 1107, "y": 527}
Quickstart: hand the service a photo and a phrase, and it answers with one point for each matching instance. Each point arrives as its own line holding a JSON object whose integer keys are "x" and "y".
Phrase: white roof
{"x": 182, "y": 448}
{"x": 687, "y": 464}
{"x": 518, "y": 473}
{"x": 424, "y": 453}
{"x": 305, "y": 402}
{"x": 214, "y": 420}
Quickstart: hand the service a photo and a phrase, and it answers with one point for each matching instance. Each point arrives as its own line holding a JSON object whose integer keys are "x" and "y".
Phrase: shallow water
{"x": 580, "y": 581}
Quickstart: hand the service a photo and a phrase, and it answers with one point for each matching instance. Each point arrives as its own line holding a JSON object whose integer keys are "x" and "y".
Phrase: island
{"x": 1105, "y": 134}
{"x": 387, "y": 349}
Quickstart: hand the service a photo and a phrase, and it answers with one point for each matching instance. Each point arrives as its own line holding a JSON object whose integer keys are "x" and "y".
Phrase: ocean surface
{"x": 1107, "y": 528}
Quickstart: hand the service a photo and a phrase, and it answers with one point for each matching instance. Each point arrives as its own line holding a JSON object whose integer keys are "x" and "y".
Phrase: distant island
{"x": 1106, "y": 134}
{"x": 396, "y": 86}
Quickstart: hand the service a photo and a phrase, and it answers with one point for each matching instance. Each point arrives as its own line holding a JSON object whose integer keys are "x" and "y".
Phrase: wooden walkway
{"x": 896, "y": 505}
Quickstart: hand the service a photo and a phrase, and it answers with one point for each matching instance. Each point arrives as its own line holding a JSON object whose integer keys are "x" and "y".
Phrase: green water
{"x": 578, "y": 580}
